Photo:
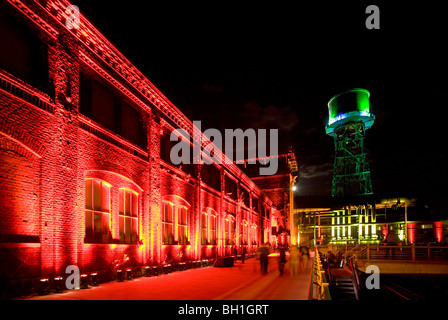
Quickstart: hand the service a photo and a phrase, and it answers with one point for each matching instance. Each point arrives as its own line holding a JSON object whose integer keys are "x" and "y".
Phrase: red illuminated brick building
{"x": 84, "y": 160}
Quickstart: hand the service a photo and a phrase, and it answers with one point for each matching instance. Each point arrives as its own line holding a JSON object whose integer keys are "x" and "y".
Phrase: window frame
{"x": 131, "y": 215}
{"x": 204, "y": 228}
{"x": 182, "y": 236}
{"x": 167, "y": 225}
{"x": 103, "y": 235}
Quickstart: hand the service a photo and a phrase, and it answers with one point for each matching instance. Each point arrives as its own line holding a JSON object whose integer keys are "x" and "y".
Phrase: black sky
{"x": 276, "y": 65}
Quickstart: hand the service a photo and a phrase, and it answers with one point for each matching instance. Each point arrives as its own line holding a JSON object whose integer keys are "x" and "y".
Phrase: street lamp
{"x": 292, "y": 227}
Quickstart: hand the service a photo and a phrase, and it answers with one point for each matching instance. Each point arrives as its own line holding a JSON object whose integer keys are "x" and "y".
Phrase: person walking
{"x": 392, "y": 240}
{"x": 243, "y": 254}
{"x": 294, "y": 257}
{"x": 281, "y": 260}
{"x": 304, "y": 257}
{"x": 263, "y": 254}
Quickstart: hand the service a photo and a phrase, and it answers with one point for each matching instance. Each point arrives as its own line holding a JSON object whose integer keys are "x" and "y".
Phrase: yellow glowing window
{"x": 97, "y": 211}
{"x": 128, "y": 216}
{"x": 167, "y": 223}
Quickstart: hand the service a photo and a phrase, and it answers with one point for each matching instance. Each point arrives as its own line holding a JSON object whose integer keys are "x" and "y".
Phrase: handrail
{"x": 405, "y": 252}
{"x": 318, "y": 280}
{"x": 412, "y": 252}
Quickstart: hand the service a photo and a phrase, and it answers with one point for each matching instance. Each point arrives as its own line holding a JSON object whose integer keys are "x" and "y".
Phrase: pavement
{"x": 240, "y": 282}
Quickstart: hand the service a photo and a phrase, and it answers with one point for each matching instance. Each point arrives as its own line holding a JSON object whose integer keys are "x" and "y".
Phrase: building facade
{"x": 363, "y": 224}
{"x": 85, "y": 166}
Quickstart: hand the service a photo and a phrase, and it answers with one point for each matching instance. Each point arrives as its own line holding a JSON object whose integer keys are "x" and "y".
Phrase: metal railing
{"x": 428, "y": 252}
{"x": 319, "y": 285}
{"x": 410, "y": 252}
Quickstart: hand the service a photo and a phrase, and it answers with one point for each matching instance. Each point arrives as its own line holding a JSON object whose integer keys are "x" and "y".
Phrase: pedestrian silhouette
{"x": 294, "y": 260}
{"x": 281, "y": 260}
{"x": 243, "y": 254}
{"x": 392, "y": 240}
{"x": 304, "y": 257}
{"x": 263, "y": 254}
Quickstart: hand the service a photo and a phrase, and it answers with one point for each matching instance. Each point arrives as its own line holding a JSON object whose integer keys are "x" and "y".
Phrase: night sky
{"x": 276, "y": 65}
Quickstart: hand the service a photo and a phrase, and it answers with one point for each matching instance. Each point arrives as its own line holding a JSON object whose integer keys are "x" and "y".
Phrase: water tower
{"x": 349, "y": 118}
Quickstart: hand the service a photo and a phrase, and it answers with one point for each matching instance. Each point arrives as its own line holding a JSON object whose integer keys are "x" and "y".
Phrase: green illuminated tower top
{"x": 350, "y": 106}
{"x": 349, "y": 117}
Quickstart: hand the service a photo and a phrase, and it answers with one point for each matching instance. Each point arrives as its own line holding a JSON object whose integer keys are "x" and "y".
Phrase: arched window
{"x": 175, "y": 223}
{"x": 167, "y": 223}
{"x": 204, "y": 227}
{"x": 229, "y": 230}
{"x": 97, "y": 213}
{"x": 182, "y": 225}
{"x": 208, "y": 226}
{"x": 212, "y": 229}
{"x": 128, "y": 215}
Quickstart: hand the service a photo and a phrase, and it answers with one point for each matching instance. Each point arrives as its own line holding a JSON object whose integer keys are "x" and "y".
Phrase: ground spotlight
{"x": 44, "y": 286}
{"x": 128, "y": 274}
{"x": 94, "y": 279}
{"x": 120, "y": 275}
{"x": 59, "y": 284}
{"x": 84, "y": 281}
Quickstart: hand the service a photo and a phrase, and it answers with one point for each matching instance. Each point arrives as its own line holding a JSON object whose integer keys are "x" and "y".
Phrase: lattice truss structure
{"x": 351, "y": 168}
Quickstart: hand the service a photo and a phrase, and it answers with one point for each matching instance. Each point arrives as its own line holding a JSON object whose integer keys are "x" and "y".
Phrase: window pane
{"x": 164, "y": 233}
{"x": 134, "y": 211}
{"x": 167, "y": 212}
{"x": 89, "y": 226}
{"x": 204, "y": 220}
{"x": 169, "y": 234}
{"x": 169, "y": 217}
{"x": 204, "y": 236}
{"x": 121, "y": 229}
{"x": 182, "y": 235}
{"x": 97, "y": 195}
{"x": 164, "y": 209}
{"x": 105, "y": 233}
{"x": 121, "y": 200}
{"x": 181, "y": 216}
{"x": 134, "y": 230}
{"x": 184, "y": 216}
{"x": 127, "y": 227}
{"x": 127, "y": 202}
{"x": 89, "y": 194}
{"x": 106, "y": 219}
{"x": 105, "y": 198}
{"x": 97, "y": 226}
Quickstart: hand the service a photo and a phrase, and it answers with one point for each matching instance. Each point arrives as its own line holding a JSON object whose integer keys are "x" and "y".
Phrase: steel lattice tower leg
{"x": 351, "y": 169}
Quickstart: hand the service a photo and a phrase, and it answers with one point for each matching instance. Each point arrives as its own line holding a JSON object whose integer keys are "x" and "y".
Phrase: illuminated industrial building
{"x": 85, "y": 161}
{"x": 405, "y": 216}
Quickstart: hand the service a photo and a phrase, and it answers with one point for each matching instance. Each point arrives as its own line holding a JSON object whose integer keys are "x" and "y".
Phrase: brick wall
{"x": 48, "y": 150}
